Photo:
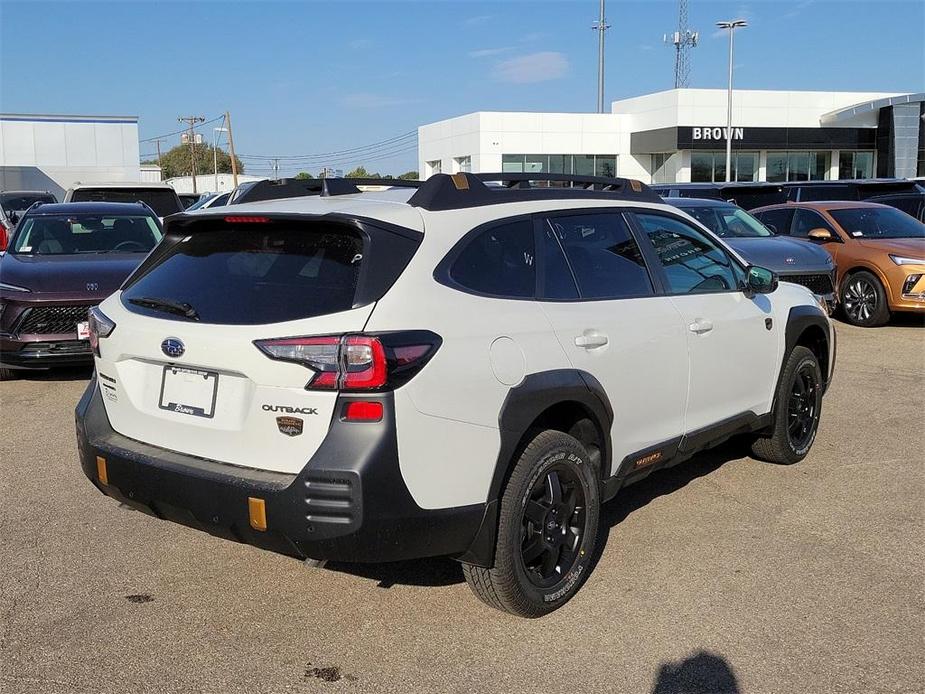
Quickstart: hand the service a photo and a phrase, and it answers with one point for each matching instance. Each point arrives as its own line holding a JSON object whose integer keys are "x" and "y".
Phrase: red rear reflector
{"x": 247, "y": 220}
{"x": 359, "y": 411}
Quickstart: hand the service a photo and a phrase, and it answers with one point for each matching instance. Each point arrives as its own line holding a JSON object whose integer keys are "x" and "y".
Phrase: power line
{"x": 373, "y": 145}
{"x": 163, "y": 137}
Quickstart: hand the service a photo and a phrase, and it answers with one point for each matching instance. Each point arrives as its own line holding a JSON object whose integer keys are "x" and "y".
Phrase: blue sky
{"x": 311, "y": 77}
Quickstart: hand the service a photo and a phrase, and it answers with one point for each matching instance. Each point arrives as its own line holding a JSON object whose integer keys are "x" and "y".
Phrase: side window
{"x": 556, "y": 281}
{"x": 777, "y": 221}
{"x": 807, "y": 220}
{"x": 693, "y": 263}
{"x": 603, "y": 255}
{"x": 499, "y": 261}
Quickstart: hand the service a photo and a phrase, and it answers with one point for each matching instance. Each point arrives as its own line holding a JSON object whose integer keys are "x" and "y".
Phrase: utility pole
{"x": 158, "y": 143}
{"x": 234, "y": 162}
{"x": 191, "y": 137}
{"x": 683, "y": 41}
{"x": 600, "y": 27}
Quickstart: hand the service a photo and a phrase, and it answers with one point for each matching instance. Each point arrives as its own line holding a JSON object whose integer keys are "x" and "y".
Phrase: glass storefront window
{"x": 605, "y": 166}
{"x": 583, "y": 164}
{"x": 798, "y": 166}
{"x": 580, "y": 164}
{"x": 512, "y": 163}
{"x": 710, "y": 167}
{"x": 855, "y": 164}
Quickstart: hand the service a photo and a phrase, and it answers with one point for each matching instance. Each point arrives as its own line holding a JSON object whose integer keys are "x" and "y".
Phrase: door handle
{"x": 701, "y": 326}
{"x": 590, "y": 341}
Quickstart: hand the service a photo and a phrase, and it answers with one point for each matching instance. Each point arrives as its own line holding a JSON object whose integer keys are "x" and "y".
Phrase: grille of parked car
{"x": 819, "y": 283}
{"x": 52, "y": 320}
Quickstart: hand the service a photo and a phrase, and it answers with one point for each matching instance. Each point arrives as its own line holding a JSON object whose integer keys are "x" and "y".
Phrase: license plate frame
{"x": 174, "y": 390}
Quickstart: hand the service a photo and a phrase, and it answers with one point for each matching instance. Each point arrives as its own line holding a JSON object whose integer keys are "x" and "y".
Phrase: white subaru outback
{"x": 454, "y": 368}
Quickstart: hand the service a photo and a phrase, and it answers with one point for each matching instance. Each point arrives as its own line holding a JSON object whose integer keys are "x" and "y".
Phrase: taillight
{"x": 356, "y": 362}
{"x": 100, "y": 326}
{"x": 247, "y": 219}
{"x": 4, "y": 237}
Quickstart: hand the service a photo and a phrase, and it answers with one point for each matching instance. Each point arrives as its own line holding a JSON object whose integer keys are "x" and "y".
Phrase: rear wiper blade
{"x": 178, "y": 307}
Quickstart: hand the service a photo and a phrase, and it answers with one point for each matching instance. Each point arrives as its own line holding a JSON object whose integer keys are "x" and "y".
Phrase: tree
{"x": 409, "y": 176}
{"x": 361, "y": 172}
{"x": 303, "y": 176}
{"x": 176, "y": 162}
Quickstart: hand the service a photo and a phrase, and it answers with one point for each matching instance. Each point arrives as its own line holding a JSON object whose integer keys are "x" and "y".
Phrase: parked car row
{"x": 907, "y": 195}
{"x": 864, "y": 257}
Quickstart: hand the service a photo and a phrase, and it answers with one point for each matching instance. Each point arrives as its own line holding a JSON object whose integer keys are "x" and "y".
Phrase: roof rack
{"x": 462, "y": 190}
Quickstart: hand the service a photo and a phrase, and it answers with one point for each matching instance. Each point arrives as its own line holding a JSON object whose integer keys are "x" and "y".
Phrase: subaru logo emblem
{"x": 173, "y": 347}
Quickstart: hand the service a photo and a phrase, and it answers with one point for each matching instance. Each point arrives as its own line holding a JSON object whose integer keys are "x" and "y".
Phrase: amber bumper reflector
{"x": 101, "y": 473}
{"x": 258, "y": 513}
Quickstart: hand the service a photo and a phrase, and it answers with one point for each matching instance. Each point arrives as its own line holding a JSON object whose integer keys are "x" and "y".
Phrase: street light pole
{"x": 731, "y": 25}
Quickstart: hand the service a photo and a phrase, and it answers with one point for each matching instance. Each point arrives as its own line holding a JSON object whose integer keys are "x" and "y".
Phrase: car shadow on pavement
{"x": 71, "y": 373}
{"x": 443, "y": 571}
{"x": 701, "y": 673}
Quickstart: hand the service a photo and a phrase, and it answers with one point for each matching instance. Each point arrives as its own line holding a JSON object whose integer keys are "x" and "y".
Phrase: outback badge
{"x": 290, "y": 426}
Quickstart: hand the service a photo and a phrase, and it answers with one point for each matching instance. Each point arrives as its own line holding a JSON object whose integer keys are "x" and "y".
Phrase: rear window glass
{"x": 17, "y": 204}
{"x": 828, "y": 192}
{"x": 163, "y": 202}
{"x": 253, "y": 274}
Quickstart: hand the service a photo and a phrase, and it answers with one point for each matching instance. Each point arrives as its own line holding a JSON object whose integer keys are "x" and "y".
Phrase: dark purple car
{"x": 63, "y": 259}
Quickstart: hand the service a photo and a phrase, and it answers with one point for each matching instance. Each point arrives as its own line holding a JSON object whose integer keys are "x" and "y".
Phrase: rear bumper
{"x": 349, "y": 503}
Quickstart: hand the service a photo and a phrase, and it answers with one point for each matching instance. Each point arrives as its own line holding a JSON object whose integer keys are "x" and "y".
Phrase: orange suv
{"x": 879, "y": 253}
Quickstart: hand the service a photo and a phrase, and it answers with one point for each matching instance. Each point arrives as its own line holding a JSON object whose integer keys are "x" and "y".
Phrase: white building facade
{"x": 53, "y": 152}
{"x": 679, "y": 136}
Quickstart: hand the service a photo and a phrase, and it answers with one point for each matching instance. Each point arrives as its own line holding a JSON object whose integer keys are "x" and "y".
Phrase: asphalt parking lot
{"x": 723, "y": 574}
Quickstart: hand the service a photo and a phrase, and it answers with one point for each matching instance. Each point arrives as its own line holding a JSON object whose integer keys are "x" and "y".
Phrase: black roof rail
{"x": 461, "y": 190}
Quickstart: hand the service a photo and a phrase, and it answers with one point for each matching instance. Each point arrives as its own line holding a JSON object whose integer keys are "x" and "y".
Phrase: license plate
{"x": 189, "y": 391}
{"x": 83, "y": 331}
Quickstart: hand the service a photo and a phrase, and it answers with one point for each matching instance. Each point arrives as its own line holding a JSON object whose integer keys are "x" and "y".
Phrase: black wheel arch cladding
{"x": 524, "y": 406}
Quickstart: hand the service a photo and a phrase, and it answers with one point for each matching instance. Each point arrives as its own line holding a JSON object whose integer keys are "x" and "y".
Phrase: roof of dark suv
{"x": 100, "y": 208}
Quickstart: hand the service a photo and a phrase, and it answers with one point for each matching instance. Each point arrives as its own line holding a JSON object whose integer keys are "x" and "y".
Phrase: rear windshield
{"x": 18, "y": 203}
{"x": 252, "y": 274}
{"x": 70, "y": 234}
{"x": 163, "y": 202}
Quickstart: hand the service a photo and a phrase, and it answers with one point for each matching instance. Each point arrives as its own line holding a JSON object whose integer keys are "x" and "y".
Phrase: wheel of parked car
{"x": 864, "y": 300}
{"x": 546, "y": 532}
{"x": 796, "y": 418}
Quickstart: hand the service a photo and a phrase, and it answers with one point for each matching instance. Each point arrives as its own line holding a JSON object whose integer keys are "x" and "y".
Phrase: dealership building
{"x": 679, "y": 135}
{"x": 53, "y": 152}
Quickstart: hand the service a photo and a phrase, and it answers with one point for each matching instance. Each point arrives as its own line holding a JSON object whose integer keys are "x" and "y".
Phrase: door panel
{"x": 733, "y": 349}
{"x": 613, "y": 326}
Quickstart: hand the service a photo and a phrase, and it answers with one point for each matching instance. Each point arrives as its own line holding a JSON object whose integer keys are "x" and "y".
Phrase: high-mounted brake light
{"x": 355, "y": 362}
{"x": 245, "y": 219}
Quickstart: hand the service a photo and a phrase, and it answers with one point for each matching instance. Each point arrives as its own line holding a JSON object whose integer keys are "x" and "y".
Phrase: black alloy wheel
{"x": 553, "y": 524}
{"x": 801, "y": 409}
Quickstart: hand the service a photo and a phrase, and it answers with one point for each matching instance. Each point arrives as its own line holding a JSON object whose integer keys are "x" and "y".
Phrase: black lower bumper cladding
{"x": 349, "y": 502}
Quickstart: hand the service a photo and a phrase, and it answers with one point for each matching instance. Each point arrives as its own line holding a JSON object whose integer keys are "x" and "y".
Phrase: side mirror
{"x": 760, "y": 280}
{"x": 820, "y": 235}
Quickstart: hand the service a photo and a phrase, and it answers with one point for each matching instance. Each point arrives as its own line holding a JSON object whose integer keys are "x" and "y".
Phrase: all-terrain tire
{"x": 517, "y": 583}
{"x": 798, "y": 401}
